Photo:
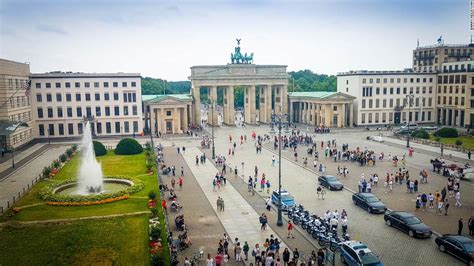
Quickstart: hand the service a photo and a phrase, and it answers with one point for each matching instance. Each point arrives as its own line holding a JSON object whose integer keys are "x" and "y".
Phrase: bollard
{"x": 8, "y": 204}
{"x": 13, "y": 199}
{"x": 28, "y": 186}
{"x": 32, "y": 182}
{"x": 23, "y": 191}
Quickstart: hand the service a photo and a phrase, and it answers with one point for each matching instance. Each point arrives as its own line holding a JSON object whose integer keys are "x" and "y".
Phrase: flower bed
{"x": 48, "y": 194}
{"x": 86, "y": 203}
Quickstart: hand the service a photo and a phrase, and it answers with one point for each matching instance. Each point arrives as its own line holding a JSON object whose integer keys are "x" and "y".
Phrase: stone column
{"x": 340, "y": 115}
{"x": 250, "y": 108}
{"x": 196, "y": 90}
{"x": 327, "y": 114}
{"x": 185, "y": 117}
{"x": 212, "y": 119}
{"x": 229, "y": 106}
{"x": 283, "y": 95}
{"x": 158, "y": 118}
{"x": 344, "y": 120}
{"x": 351, "y": 114}
{"x": 268, "y": 103}
{"x": 153, "y": 120}
{"x": 263, "y": 110}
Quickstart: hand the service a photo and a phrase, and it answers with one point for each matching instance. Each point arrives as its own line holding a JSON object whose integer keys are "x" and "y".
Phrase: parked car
{"x": 287, "y": 201}
{"x": 461, "y": 247}
{"x": 409, "y": 223}
{"x": 330, "y": 182}
{"x": 369, "y": 202}
{"x": 357, "y": 253}
{"x": 413, "y": 126}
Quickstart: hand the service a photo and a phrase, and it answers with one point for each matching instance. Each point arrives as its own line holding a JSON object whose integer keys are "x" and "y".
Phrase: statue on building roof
{"x": 238, "y": 58}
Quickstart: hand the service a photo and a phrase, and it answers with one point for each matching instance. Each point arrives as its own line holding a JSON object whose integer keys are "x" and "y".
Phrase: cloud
{"x": 51, "y": 29}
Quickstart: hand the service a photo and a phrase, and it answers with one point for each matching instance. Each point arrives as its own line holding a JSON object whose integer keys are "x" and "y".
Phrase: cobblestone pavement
{"x": 394, "y": 247}
{"x": 20, "y": 179}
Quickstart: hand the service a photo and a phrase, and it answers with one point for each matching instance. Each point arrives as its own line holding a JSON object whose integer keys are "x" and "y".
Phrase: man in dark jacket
{"x": 460, "y": 226}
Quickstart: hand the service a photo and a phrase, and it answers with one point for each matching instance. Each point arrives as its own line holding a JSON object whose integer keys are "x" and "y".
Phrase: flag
{"x": 440, "y": 39}
{"x": 27, "y": 87}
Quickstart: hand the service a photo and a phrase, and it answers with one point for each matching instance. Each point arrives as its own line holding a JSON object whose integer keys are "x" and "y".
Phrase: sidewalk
{"x": 6, "y": 161}
{"x": 239, "y": 218}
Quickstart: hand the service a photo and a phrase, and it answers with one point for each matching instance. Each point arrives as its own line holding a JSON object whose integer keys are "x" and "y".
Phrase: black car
{"x": 330, "y": 182}
{"x": 369, "y": 202}
{"x": 461, "y": 247}
{"x": 409, "y": 223}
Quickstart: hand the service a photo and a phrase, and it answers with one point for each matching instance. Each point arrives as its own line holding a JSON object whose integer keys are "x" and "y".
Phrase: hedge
{"x": 99, "y": 148}
{"x": 421, "y": 134}
{"x": 128, "y": 146}
{"x": 446, "y": 132}
{"x": 48, "y": 195}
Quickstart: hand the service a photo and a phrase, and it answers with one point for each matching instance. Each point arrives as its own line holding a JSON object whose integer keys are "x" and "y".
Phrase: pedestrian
{"x": 424, "y": 200}
{"x": 273, "y": 160}
{"x": 468, "y": 154}
{"x": 238, "y": 251}
{"x": 458, "y": 199}
{"x": 173, "y": 182}
{"x": 460, "y": 226}
{"x": 286, "y": 256}
{"x": 209, "y": 260}
{"x": 431, "y": 200}
{"x": 182, "y": 169}
{"x": 246, "y": 248}
{"x": 218, "y": 203}
{"x": 178, "y": 150}
{"x": 268, "y": 186}
{"x": 470, "y": 225}
{"x": 180, "y": 182}
{"x": 268, "y": 203}
{"x": 290, "y": 230}
{"x": 296, "y": 255}
{"x": 446, "y": 207}
{"x": 256, "y": 254}
{"x": 440, "y": 207}
{"x": 222, "y": 204}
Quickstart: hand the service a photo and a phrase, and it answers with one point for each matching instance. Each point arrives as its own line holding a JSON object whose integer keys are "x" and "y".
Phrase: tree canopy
{"x": 306, "y": 80}
{"x": 155, "y": 86}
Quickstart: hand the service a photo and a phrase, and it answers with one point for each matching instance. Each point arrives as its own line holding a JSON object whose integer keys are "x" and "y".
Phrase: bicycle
{"x": 196, "y": 258}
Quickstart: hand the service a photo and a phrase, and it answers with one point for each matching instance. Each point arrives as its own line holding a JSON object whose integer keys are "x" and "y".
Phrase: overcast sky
{"x": 165, "y": 38}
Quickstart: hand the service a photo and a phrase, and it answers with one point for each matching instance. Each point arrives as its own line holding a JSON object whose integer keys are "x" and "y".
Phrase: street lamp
{"x": 278, "y": 119}
{"x": 212, "y": 130}
{"x": 409, "y": 99}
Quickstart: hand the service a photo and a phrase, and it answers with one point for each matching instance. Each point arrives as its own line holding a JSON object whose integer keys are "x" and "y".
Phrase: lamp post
{"x": 13, "y": 157}
{"x": 278, "y": 119}
{"x": 212, "y": 131}
{"x": 409, "y": 98}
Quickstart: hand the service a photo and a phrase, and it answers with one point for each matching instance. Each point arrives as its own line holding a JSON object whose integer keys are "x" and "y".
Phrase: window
{"x": 70, "y": 129}
{"x": 116, "y": 111}
{"x": 126, "y": 126}
{"x": 69, "y": 112}
{"x": 58, "y": 84}
{"x": 125, "y": 110}
{"x": 115, "y": 84}
{"x": 97, "y": 110}
{"x": 88, "y": 112}
{"x": 116, "y": 96}
{"x": 68, "y": 84}
{"x": 391, "y": 103}
{"x": 384, "y": 91}
{"x": 50, "y": 112}
{"x": 108, "y": 128}
{"x": 78, "y": 97}
{"x": 61, "y": 129}
{"x": 168, "y": 113}
{"x": 124, "y": 84}
{"x": 79, "y": 111}
{"x": 88, "y": 97}
{"x": 38, "y": 85}
{"x": 363, "y": 119}
{"x": 107, "y": 111}
{"x": 134, "y": 110}
{"x": 125, "y": 99}
{"x": 377, "y": 103}
{"x": 117, "y": 127}
{"x": 377, "y": 91}
{"x": 363, "y": 106}
{"x": 39, "y": 98}
{"x": 51, "y": 130}
{"x": 87, "y": 85}
{"x": 97, "y": 96}
{"x": 106, "y": 84}
{"x": 370, "y": 103}
{"x": 59, "y": 97}
{"x": 391, "y": 91}
{"x": 398, "y": 90}
{"x": 106, "y": 96}
{"x": 384, "y": 103}
{"x": 77, "y": 84}
{"x": 134, "y": 84}
{"x": 40, "y": 112}
{"x": 79, "y": 128}
{"x": 98, "y": 127}
{"x": 462, "y": 101}
{"x": 96, "y": 84}
{"x": 48, "y": 85}
{"x": 135, "y": 126}
{"x": 334, "y": 108}
{"x": 41, "y": 129}
{"x": 60, "y": 112}
{"x": 49, "y": 98}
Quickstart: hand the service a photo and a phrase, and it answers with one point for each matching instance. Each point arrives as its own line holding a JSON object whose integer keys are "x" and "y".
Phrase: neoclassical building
{"x": 322, "y": 108}
{"x": 167, "y": 114}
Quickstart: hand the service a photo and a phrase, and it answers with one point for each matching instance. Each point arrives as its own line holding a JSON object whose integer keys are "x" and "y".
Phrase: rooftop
{"x": 312, "y": 94}
{"x": 442, "y": 45}
{"x": 70, "y": 74}
{"x": 406, "y": 71}
{"x": 160, "y": 97}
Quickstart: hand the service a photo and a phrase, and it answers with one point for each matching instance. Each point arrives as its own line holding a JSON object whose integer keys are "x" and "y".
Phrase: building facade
{"x": 455, "y": 94}
{"x": 321, "y": 108}
{"x": 63, "y": 102}
{"x": 167, "y": 114}
{"x": 381, "y": 96}
{"x": 431, "y": 58}
{"x": 15, "y": 105}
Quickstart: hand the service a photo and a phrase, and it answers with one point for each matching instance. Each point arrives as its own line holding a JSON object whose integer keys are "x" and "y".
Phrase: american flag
{"x": 27, "y": 87}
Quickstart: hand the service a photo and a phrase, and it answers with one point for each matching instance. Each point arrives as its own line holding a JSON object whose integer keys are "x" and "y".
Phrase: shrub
{"x": 158, "y": 259}
{"x": 69, "y": 152}
{"x": 421, "y": 134}
{"x": 152, "y": 195}
{"x": 56, "y": 164}
{"x": 458, "y": 142}
{"x": 99, "y": 148}
{"x": 447, "y": 132}
{"x": 74, "y": 147}
{"x": 148, "y": 146}
{"x": 437, "y": 139}
{"x": 63, "y": 158}
{"x": 46, "y": 172}
{"x": 155, "y": 233}
{"x": 128, "y": 146}
{"x": 154, "y": 212}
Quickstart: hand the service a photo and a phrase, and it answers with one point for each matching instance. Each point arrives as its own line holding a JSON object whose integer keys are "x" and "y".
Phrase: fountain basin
{"x": 110, "y": 185}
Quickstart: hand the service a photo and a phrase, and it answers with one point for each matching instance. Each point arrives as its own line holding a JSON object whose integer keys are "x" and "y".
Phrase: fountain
{"x": 90, "y": 179}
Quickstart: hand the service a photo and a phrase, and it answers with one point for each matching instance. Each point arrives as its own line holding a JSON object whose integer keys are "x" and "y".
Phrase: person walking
{"x": 238, "y": 251}
{"x": 268, "y": 203}
{"x": 246, "y": 248}
{"x": 446, "y": 207}
{"x": 458, "y": 199}
{"x": 290, "y": 230}
{"x": 222, "y": 204}
{"x": 218, "y": 203}
{"x": 273, "y": 160}
{"x": 460, "y": 226}
{"x": 470, "y": 225}
{"x": 286, "y": 257}
{"x": 256, "y": 254}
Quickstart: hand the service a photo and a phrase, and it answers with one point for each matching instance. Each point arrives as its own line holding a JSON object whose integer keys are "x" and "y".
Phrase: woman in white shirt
{"x": 209, "y": 260}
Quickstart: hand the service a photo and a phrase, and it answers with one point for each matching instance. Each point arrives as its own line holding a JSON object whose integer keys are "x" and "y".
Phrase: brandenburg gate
{"x": 269, "y": 82}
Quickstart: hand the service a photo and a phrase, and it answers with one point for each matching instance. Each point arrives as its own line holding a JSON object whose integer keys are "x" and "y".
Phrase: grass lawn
{"x": 91, "y": 242}
{"x": 121, "y": 240}
{"x": 467, "y": 141}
